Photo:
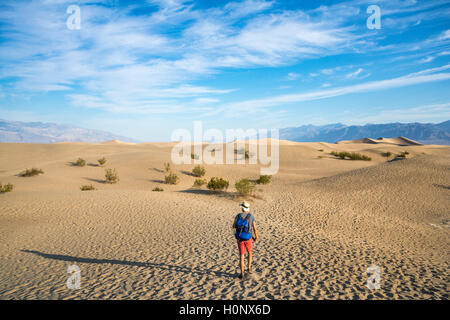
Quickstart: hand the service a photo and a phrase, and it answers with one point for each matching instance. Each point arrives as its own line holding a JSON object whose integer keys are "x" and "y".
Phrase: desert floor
{"x": 322, "y": 223}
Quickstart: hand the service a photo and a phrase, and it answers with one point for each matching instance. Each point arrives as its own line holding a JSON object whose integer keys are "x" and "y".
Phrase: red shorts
{"x": 244, "y": 245}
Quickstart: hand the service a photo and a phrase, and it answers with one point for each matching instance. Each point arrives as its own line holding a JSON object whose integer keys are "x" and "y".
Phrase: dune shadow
{"x": 221, "y": 194}
{"x": 94, "y": 180}
{"x": 441, "y": 186}
{"x": 157, "y": 180}
{"x": 93, "y": 165}
{"x": 187, "y": 173}
{"x": 162, "y": 266}
{"x": 158, "y": 170}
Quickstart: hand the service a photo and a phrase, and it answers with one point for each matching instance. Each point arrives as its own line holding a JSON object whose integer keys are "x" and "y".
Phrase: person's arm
{"x": 234, "y": 223}
{"x": 256, "y": 231}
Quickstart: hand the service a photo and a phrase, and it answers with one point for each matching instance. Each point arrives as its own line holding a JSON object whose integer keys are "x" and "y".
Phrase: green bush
{"x": 215, "y": 184}
{"x": 199, "y": 182}
{"x": 111, "y": 176}
{"x": 157, "y": 189}
{"x": 6, "y": 188}
{"x": 87, "y": 187}
{"x": 172, "y": 178}
{"x": 166, "y": 166}
{"x": 80, "y": 162}
{"x": 199, "y": 171}
{"x": 264, "y": 179}
{"x": 351, "y": 155}
{"x": 244, "y": 187}
{"x": 102, "y": 161}
{"x": 31, "y": 172}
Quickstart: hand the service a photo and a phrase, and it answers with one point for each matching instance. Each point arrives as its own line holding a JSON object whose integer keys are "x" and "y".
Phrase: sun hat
{"x": 245, "y": 205}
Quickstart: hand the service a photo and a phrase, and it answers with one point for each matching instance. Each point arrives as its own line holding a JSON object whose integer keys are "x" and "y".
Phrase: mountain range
{"x": 39, "y": 132}
{"x": 426, "y": 133}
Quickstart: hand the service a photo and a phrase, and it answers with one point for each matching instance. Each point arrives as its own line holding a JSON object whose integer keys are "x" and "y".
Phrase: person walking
{"x": 245, "y": 233}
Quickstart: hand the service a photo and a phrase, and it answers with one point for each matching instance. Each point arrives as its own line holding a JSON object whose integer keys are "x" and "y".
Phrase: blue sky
{"x": 145, "y": 68}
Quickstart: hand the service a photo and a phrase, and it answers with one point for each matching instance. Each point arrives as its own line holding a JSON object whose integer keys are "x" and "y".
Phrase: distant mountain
{"x": 38, "y": 132}
{"x": 426, "y": 133}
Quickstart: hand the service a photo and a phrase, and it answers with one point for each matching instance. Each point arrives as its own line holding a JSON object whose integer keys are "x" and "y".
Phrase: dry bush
{"x": 172, "y": 178}
{"x": 158, "y": 189}
{"x": 244, "y": 187}
{"x": 80, "y": 162}
{"x": 101, "y": 161}
{"x": 264, "y": 179}
{"x": 111, "y": 176}
{"x": 31, "y": 172}
{"x": 199, "y": 171}
{"x": 166, "y": 166}
{"x": 87, "y": 187}
{"x": 199, "y": 182}
{"x": 6, "y": 188}
{"x": 216, "y": 183}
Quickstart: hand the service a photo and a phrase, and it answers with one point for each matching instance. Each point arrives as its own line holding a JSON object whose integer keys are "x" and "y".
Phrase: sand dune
{"x": 322, "y": 222}
{"x": 399, "y": 141}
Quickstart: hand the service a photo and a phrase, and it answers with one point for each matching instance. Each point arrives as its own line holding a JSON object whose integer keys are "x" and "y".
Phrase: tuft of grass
{"x": 321, "y": 150}
{"x": 31, "y": 172}
{"x": 401, "y": 155}
{"x": 264, "y": 179}
{"x": 102, "y": 161}
{"x": 167, "y": 167}
{"x": 80, "y": 162}
{"x": 87, "y": 187}
{"x": 194, "y": 156}
{"x": 216, "y": 183}
{"x": 244, "y": 187}
{"x": 6, "y": 188}
{"x": 320, "y": 157}
{"x": 172, "y": 178}
{"x": 111, "y": 176}
{"x": 158, "y": 189}
{"x": 199, "y": 171}
{"x": 387, "y": 154}
{"x": 199, "y": 182}
{"x": 351, "y": 155}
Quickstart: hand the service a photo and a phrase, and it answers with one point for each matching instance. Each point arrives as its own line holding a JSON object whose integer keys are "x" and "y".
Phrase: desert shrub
{"x": 111, "y": 176}
{"x": 358, "y": 156}
{"x": 320, "y": 150}
{"x": 351, "y": 156}
{"x": 405, "y": 152}
{"x": 199, "y": 182}
{"x": 244, "y": 187}
{"x": 199, "y": 171}
{"x": 80, "y": 162}
{"x": 264, "y": 179}
{"x": 87, "y": 187}
{"x": 31, "y": 172}
{"x": 246, "y": 154}
{"x": 401, "y": 155}
{"x": 194, "y": 156}
{"x": 320, "y": 157}
{"x": 166, "y": 166}
{"x": 101, "y": 161}
{"x": 215, "y": 184}
{"x": 172, "y": 178}
{"x": 158, "y": 189}
{"x": 6, "y": 188}
{"x": 387, "y": 154}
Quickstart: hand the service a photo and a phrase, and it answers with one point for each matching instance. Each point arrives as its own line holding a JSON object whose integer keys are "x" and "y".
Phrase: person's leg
{"x": 249, "y": 262}
{"x": 242, "y": 265}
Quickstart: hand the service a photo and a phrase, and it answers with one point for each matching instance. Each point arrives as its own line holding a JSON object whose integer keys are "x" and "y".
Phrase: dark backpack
{"x": 243, "y": 228}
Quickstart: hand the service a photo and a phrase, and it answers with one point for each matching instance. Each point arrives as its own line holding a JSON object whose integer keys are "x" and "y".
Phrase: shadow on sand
{"x": 162, "y": 266}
